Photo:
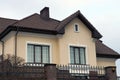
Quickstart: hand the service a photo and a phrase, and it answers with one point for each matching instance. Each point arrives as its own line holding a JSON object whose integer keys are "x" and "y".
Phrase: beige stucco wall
{"x": 105, "y": 62}
{"x": 9, "y": 43}
{"x": 82, "y": 39}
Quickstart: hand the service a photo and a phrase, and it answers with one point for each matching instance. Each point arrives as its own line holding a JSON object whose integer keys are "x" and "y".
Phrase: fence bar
{"x": 32, "y": 71}
{"x": 79, "y": 71}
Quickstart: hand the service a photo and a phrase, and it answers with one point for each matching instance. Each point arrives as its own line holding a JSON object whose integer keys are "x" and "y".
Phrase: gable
{"x": 60, "y": 27}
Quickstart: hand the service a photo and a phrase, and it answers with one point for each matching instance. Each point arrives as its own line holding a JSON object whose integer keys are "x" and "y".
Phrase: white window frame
{"x": 77, "y": 27}
{"x": 77, "y": 45}
{"x": 40, "y": 43}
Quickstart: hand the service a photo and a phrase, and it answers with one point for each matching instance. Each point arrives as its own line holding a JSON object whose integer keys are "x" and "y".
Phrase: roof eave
{"x": 23, "y": 29}
{"x": 6, "y": 31}
{"x": 108, "y": 56}
{"x": 96, "y": 35}
{"x": 42, "y": 31}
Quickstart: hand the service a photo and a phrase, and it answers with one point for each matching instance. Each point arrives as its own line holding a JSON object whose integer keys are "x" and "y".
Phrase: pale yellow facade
{"x": 59, "y": 44}
{"x": 27, "y": 38}
{"x": 9, "y": 43}
{"x": 106, "y": 62}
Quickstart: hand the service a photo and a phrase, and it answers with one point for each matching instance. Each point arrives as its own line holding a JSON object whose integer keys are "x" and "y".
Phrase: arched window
{"x": 76, "y": 27}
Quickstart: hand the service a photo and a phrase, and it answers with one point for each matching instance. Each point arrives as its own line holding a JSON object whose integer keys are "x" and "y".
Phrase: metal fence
{"x": 38, "y": 71}
{"x": 23, "y": 72}
{"x": 79, "y": 71}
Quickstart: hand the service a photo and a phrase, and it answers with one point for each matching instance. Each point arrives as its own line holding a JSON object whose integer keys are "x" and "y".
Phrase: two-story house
{"x": 41, "y": 39}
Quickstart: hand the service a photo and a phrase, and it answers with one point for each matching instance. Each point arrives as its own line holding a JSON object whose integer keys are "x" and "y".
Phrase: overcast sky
{"x": 103, "y": 14}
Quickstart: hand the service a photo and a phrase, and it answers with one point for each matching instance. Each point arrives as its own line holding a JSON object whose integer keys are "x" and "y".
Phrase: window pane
{"x": 37, "y": 54}
{"x": 77, "y": 55}
{"x": 82, "y": 55}
{"x": 76, "y": 27}
{"x": 45, "y": 54}
{"x": 71, "y": 55}
{"x": 30, "y": 53}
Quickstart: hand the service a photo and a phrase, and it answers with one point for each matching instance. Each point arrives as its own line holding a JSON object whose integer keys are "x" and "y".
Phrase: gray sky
{"x": 103, "y": 14}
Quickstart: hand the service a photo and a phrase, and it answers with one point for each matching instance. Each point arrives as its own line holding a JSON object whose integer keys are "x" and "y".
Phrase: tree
{"x": 11, "y": 59}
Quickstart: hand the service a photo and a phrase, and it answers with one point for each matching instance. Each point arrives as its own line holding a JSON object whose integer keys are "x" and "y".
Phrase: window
{"x": 76, "y": 27}
{"x": 38, "y": 53}
{"x": 77, "y": 55}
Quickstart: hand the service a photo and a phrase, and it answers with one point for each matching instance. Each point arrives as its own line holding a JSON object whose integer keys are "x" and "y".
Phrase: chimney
{"x": 44, "y": 13}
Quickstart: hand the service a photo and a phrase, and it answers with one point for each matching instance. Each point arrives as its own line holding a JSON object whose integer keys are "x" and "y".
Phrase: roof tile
{"x": 4, "y": 23}
{"x": 35, "y": 21}
{"x": 102, "y": 49}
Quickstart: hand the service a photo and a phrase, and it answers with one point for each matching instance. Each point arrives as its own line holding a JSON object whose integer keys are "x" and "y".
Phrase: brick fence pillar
{"x": 93, "y": 75}
{"x": 111, "y": 73}
{"x": 50, "y": 72}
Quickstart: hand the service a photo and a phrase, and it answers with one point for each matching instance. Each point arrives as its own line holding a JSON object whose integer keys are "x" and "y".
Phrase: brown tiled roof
{"x": 104, "y": 51}
{"x": 35, "y": 21}
{"x": 4, "y": 23}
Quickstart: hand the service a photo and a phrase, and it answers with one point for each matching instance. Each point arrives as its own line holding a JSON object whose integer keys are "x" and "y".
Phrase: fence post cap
{"x": 50, "y": 65}
{"x": 110, "y": 67}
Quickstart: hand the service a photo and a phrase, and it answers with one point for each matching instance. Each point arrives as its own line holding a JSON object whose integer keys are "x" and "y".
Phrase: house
{"x": 41, "y": 39}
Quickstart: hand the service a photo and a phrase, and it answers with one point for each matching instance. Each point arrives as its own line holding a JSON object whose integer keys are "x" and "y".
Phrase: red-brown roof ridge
{"x": 8, "y": 19}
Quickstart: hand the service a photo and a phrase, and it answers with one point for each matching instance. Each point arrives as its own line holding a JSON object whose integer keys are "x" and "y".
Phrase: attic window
{"x": 76, "y": 27}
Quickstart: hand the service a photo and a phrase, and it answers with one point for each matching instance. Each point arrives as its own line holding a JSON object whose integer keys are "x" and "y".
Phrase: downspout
{"x": 16, "y": 37}
{"x": 2, "y": 50}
